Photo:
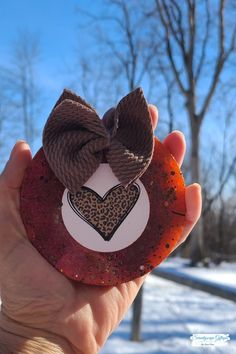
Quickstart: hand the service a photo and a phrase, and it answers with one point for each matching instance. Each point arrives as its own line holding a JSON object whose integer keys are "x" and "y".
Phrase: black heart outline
{"x": 103, "y": 199}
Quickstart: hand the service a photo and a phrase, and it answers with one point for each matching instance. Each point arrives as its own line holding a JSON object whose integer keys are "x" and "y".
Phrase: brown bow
{"x": 75, "y": 139}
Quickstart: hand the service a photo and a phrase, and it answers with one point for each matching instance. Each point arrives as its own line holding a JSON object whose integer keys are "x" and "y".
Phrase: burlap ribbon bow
{"x": 76, "y": 140}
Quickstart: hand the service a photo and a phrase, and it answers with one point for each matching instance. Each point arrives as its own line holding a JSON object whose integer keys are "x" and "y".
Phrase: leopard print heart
{"x": 105, "y": 214}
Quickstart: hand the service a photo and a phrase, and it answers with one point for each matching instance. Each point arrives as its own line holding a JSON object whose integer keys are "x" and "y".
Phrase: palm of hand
{"x": 37, "y": 296}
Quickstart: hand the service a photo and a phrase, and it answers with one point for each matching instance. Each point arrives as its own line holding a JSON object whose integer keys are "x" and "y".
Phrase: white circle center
{"x": 130, "y": 229}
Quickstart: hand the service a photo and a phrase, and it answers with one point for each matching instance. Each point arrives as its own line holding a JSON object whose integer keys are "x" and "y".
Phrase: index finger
{"x": 14, "y": 170}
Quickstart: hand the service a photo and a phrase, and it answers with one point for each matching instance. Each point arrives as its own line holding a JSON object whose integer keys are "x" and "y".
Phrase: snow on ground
{"x": 223, "y": 276}
{"x": 171, "y": 314}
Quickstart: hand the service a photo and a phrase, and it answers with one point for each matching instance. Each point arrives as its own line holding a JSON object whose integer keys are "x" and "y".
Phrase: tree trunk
{"x": 136, "y": 320}
{"x": 221, "y": 243}
{"x": 196, "y": 237}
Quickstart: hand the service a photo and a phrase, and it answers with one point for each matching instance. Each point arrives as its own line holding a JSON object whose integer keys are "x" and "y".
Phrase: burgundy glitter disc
{"x": 41, "y": 202}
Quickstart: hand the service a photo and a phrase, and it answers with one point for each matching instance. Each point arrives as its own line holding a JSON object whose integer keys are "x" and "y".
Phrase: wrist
{"x": 18, "y": 339}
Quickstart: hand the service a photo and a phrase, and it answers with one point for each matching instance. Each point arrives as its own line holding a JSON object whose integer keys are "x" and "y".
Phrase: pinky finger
{"x": 193, "y": 200}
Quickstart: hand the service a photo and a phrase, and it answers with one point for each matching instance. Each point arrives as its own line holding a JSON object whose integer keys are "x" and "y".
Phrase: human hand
{"x": 43, "y": 311}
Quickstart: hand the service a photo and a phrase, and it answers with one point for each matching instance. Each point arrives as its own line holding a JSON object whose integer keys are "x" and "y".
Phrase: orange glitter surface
{"x": 41, "y": 201}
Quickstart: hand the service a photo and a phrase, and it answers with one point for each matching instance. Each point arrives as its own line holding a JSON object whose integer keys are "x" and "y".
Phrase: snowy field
{"x": 223, "y": 276}
{"x": 171, "y": 314}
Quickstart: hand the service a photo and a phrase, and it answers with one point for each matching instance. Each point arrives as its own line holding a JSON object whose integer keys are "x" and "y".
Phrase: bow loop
{"x": 75, "y": 139}
{"x": 131, "y": 150}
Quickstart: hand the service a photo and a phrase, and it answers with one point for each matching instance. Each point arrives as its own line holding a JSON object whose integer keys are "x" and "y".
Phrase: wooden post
{"x": 136, "y": 320}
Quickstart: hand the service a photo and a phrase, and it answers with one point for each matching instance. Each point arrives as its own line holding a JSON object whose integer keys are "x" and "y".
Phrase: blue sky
{"x": 51, "y": 20}
{"x": 55, "y": 22}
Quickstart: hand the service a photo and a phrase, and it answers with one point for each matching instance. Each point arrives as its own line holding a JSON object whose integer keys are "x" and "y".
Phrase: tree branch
{"x": 222, "y": 185}
{"x": 192, "y": 32}
{"x": 204, "y": 44}
{"x": 169, "y": 50}
{"x": 171, "y": 26}
{"x": 179, "y": 23}
{"x": 131, "y": 45}
{"x": 219, "y": 63}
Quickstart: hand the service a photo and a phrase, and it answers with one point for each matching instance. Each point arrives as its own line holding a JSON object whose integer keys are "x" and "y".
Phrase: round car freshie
{"x": 105, "y": 234}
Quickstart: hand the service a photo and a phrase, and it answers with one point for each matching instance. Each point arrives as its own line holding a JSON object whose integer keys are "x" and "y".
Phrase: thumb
{"x": 154, "y": 115}
{"x": 14, "y": 170}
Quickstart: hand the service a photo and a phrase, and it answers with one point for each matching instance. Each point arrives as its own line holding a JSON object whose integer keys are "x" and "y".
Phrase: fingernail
{"x": 179, "y": 133}
{"x": 198, "y": 186}
{"x": 152, "y": 106}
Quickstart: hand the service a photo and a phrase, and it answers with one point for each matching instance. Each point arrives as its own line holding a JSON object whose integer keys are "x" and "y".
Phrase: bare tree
{"x": 126, "y": 43}
{"x": 196, "y": 40}
{"x": 223, "y": 170}
{"x": 7, "y": 126}
{"x": 20, "y": 85}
